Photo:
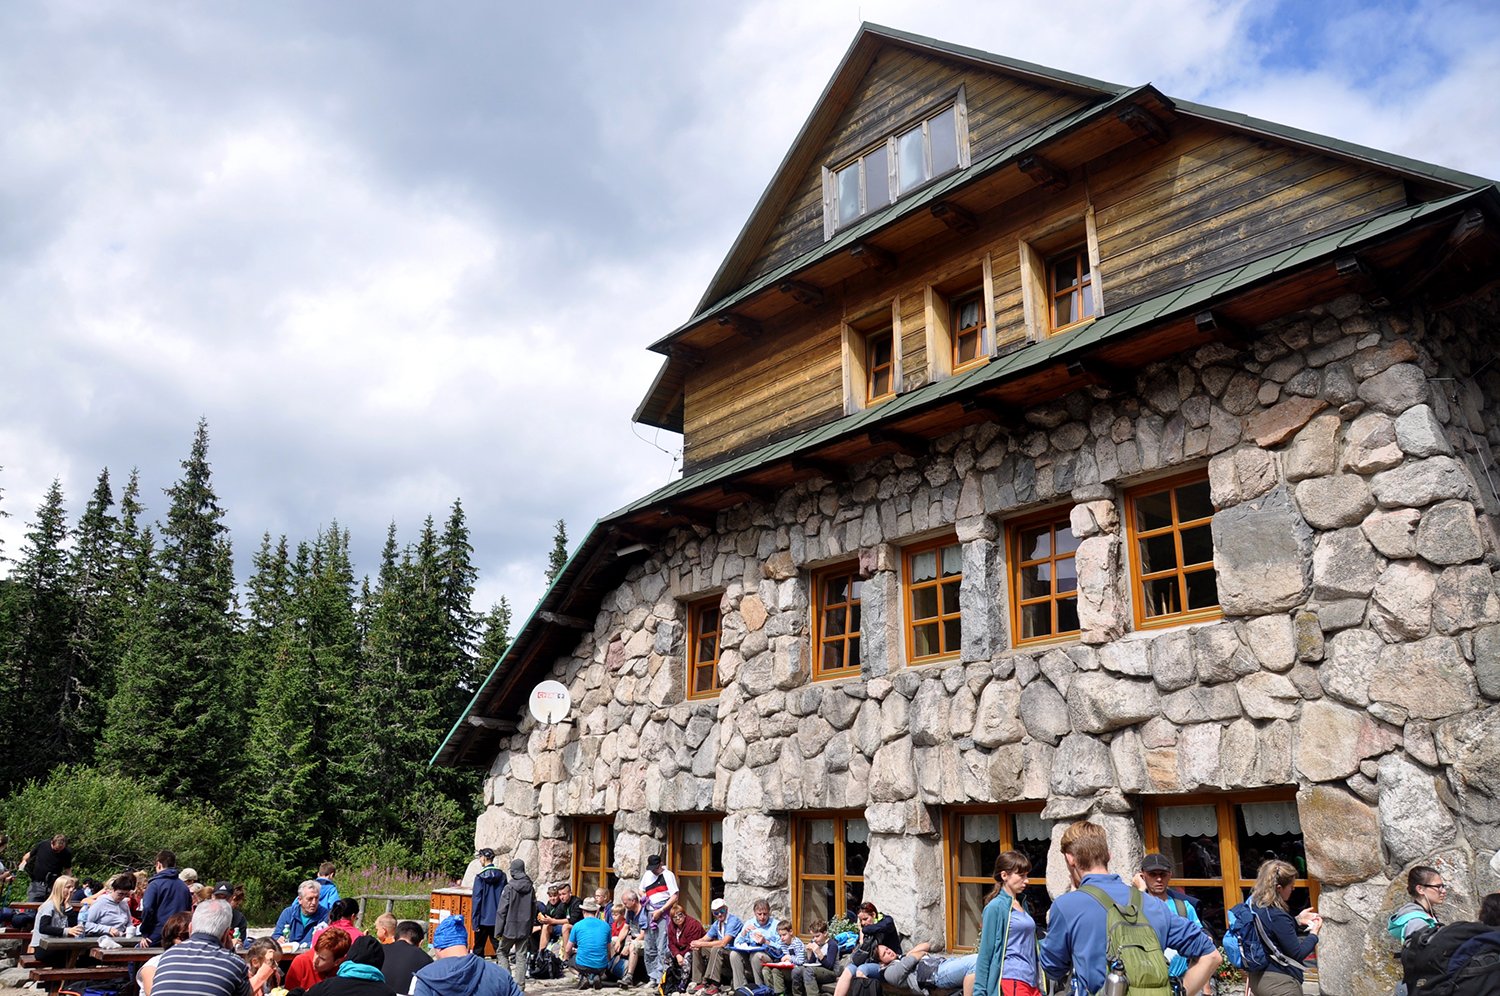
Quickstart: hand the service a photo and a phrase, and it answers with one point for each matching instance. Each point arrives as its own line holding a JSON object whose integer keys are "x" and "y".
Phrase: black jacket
{"x": 882, "y": 931}
{"x": 516, "y": 914}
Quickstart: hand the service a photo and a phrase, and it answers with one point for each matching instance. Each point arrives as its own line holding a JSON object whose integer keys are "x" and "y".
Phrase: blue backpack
{"x": 1239, "y": 919}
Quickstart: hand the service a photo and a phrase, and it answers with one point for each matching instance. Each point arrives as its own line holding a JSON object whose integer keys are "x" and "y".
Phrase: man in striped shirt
{"x": 204, "y": 964}
{"x": 658, "y": 893}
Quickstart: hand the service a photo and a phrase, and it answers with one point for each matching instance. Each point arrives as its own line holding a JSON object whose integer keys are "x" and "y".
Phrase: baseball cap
{"x": 654, "y": 861}
{"x": 485, "y": 852}
{"x": 718, "y": 904}
{"x": 1156, "y": 862}
{"x": 223, "y": 889}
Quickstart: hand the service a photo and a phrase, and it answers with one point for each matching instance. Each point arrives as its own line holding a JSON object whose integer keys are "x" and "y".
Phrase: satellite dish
{"x": 550, "y": 702}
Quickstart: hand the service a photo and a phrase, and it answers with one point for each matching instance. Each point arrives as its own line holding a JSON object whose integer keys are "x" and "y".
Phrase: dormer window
{"x": 897, "y": 165}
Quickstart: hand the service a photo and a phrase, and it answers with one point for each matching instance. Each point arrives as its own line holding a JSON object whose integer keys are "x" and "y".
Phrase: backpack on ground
{"x": 1457, "y": 959}
{"x": 1130, "y": 939}
{"x": 862, "y": 985}
{"x": 753, "y": 991}
{"x": 847, "y": 940}
{"x": 544, "y": 964}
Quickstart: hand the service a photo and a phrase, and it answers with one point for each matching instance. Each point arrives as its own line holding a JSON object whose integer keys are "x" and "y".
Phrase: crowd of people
{"x": 1102, "y": 935}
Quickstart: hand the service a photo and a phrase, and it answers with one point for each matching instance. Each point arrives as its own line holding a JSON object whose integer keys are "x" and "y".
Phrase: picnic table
{"x": 139, "y": 956}
{"x": 73, "y": 948}
{"x": 55, "y": 977}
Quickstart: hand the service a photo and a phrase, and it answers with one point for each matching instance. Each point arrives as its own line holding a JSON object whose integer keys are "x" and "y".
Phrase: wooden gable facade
{"x": 1157, "y": 195}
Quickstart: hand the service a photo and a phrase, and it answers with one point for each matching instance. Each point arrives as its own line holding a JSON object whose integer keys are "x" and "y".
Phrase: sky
{"x": 398, "y": 254}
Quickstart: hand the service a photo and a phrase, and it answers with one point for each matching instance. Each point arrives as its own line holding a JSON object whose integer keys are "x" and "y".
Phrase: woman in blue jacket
{"x": 1007, "y": 962}
{"x": 1286, "y": 952}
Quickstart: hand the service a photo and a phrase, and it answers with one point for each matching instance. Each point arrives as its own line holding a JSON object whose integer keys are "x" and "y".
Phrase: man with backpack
{"x": 1155, "y": 879}
{"x": 1105, "y": 924}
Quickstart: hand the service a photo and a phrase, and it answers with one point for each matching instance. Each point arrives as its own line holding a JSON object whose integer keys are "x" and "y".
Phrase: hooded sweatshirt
{"x": 359, "y": 974}
{"x": 488, "y": 885}
{"x": 465, "y": 975}
{"x": 516, "y": 912}
{"x": 165, "y": 894}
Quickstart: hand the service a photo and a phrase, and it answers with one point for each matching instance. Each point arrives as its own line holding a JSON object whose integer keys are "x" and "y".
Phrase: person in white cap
{"x": 710, "y": 951}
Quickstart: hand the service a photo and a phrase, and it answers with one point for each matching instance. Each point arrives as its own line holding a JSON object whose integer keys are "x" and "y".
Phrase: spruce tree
{"x": 496, "y": 639}
{"x": 37, "y": 665}
{"x": 457, "y": 604}
{"x": 172, "y": 719}
{"x": 558, "y": 558}
{"x": 94, "y": 640}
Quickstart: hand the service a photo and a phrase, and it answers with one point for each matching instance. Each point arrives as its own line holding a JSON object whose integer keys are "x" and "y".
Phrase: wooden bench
{"x": 55, "y": 978}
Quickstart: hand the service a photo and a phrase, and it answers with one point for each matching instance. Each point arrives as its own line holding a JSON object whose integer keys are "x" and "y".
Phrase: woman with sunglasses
{"x": 1425, "y": 886}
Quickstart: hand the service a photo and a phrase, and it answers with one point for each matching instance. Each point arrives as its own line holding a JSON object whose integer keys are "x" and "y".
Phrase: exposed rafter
{"x": 565, "y": 621}
{"x": 802, "y": 292}
{"x": 827, "y": 469}
{"x": 959, "y": 219}
{"x": 1143, "y": 123}
{"x": 1365, "y": 279}
{"x": 906, "y": 442}
{"x": 1117, "y": 379}
{"x": 873, "y": 257}
{"x": 747, "y": 328}
{"x": 1043, "y": 172}
{"x": 1215, "y": 325}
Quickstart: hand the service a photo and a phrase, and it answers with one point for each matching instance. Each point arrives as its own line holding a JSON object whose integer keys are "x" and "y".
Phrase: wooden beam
{"x": 1044, "y": 173}
{"x": 490, "y": 723}
{"x": 823, "y": 468}
{"x": 751, "y": 492}
{"x": 1118, "y": 379}
{"x": 1214, "y": 325}
{"x": 873, "y": 257}
{"x": 906, "y": 442}
{"x": 700, "y": 516}
{"x": 998, "y": 410}
{"x": 1143, "y": 123}
{"x": 747, "y": 328}
{"x": 802, "y": 292}
{"x": 565, "y": 621}
{"x": 686, "y": 355}
{"x": 1469, "y": 227}
{"x": 959, "y": 219}
{"x": 1364, "y": 279}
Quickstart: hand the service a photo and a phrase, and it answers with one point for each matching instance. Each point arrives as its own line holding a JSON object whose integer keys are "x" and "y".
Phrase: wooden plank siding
{"x": 899, "y": 88}
{"x": 1205, "y": 201}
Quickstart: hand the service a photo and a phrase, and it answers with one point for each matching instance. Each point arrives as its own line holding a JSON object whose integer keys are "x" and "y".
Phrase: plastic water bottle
{"x": 1115, "y": 982}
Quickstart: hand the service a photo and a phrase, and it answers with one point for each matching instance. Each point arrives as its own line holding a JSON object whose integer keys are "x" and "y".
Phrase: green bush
{"x": 382, "y": 869}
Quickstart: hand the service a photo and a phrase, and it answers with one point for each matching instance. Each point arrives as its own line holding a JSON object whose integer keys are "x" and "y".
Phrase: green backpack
{"x": 1131, "y": 938}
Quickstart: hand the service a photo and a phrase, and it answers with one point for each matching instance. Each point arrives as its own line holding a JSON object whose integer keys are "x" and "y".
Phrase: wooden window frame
{"x": 606, "y": 870}
{"x": 839, "y": 878}
{"x": 1234, "y": 886}
{"x": 1078, "y": 255}
{"x": 1038, "y": 249}
{"x": 695, "y": 633}
{"x": 873, "y": 367}
{"x": 952, "y": 834}
{"x": 979, "y": 331}
{"x": 958, "y": 103}
{"x": 1054, "y": 517}
{"x": 1181, "y": 571}
{"x": 943, "y": 298}
{"x": 706, "y": 874}
{"x": 857, "y": 339}
{"x": 908, "y": 590}
{"x": 849, "y": 569}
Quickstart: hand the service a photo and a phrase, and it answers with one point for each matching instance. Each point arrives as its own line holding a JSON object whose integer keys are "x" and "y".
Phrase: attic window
{"x": 897, "y": 165}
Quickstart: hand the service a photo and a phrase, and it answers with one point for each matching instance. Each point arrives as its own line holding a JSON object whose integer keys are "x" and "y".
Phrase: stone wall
{"x": 1358, "y": 659}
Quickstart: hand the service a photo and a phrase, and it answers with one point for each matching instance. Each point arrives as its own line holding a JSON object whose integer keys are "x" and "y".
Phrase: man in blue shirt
{"x": 298, "y": 921}
{"x": 710, "y": 949}
{"x": 755, "y": 945}
{"x": 1154, "y": 879}
{"x": 1075, "y": 941}
{"x": 588, "y": 942}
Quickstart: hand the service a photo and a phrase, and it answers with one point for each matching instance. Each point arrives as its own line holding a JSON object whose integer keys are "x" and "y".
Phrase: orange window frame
{"x": 849, "y": 639}
{"x": 876, "y": 368}
{"x": 704, "y": 621}
{"x": 1139, "y": 579}
{"x": 1236, "y": 886}
{"x": 953, "y": 821}
{"x": 971, "y": 333}
{"x": 840, "y": 878}
{"x": 941, "y": 584}
{"x": 1080, "y": 294}
{"x": 1055, "y": 519}
{"x": 694, "y": 864}
{"x": 592, "y": 872}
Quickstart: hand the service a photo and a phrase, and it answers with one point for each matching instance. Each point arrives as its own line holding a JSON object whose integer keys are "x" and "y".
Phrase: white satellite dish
{"x": 550, "y": 702}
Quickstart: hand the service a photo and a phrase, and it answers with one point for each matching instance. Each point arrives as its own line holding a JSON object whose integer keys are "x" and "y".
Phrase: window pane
{"x": 833, "y": 655}
{"x": 1067, "y": 615}
{"x": 854, "y": 618}
{"x": 880, "y": 349}
{"x": 952, "y": 636}
{"x": 1197, "y": 545}
{"x": 707, "y": 650}
{"x": 953, "y": 560}
{"x": 853, "y": 659}
{"x": 1086, "y": 304}
{"x": 690, "y": 894}
{"x": 1273, "y": 838}
{"x": 1036, "y": 620}
{"x": 1153, "y": 511}
{"x": 967, "y": 347}
{"x": 833, "y": 622}
{"x": 856, "y": 585}
{"x": 591, "y": 841}
{"x": 1067, "y": 577}
{"x": 1035, "y": 543}
{"x": 703, "y": 679}
{"x": 856, "y": 846}
{"x": 1210, "y": 906}
{"x": 817, "y": 903}
{"x": 1158, "y": 553}
{"x": 924, "y": 603}
{"x": 877, "y": 179}
{"x": 1062, "y": 312}
{"x": 924, "y": 566}
{"x": 1036, "y": 581}
{"x": 1193, "y": 502}
{"x": 967, "y": 916}
{"x": 976, "y": 858}
{"x": 835, "y": 589}
{"x": 1065, "y": 273}
{"x": 924, "y": 640}
{"x": 910, "y": 169}
{"x": 1203, "y": 590}
{"x": 817, "y": 847}
{"x": 942, "y": 132}
{"x": 950, "y": 597}
{"x": 1161, "y": 597}
{"x": 968, "y": 314}
{"x": 848, "y": 193}
{"x": 1066, "y": 541}
{"x": 690, "y": 858}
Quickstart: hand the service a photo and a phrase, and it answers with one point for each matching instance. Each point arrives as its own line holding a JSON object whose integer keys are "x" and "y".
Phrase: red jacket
{"x": 680, "y": 935}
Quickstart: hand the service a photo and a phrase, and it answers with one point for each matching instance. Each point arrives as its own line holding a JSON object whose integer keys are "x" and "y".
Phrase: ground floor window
{"x": 593, "y": 855}
{"x": 1217, "y": 844}
{"x": 828, "y": 866}
{"x": 974, "y": 838}
{"x": 698, "y": 861}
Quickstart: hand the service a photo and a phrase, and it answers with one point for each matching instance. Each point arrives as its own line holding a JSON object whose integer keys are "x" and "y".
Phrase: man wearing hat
{"x": 1154, "y": 879}
{"x": 710, "y": 950}
{"x": 456, "y": 972}
{"x": 658, "y": 893}
{"x": 235, "y": 898}
{"x": 489, "y": 882}
{"x": 587, "y": 948}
